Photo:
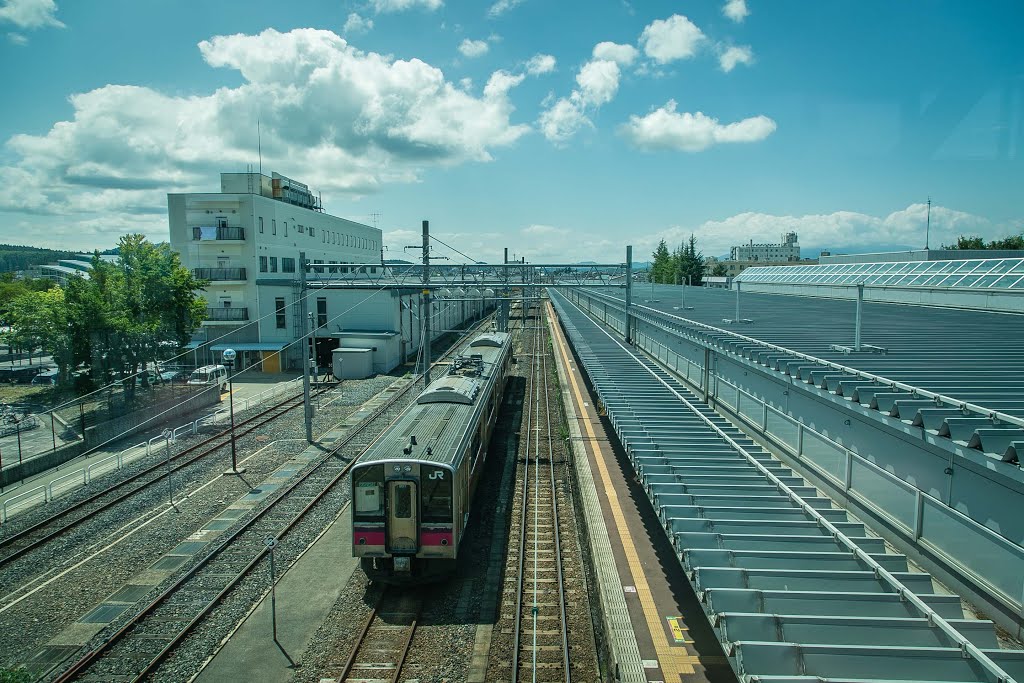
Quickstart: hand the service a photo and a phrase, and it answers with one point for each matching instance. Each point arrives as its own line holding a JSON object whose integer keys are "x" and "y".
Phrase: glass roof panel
{"x": 1004, "y": 265}
{"x": 968, "y": 280}
{"x": 987, "y": 280}
{"x": 949, "y": 280}
{"x": 1019, "y": 284}
{"x": 1018, "y": 267}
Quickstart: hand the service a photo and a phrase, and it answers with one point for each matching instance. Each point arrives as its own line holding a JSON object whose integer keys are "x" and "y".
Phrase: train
{"x": 413, "y": 487}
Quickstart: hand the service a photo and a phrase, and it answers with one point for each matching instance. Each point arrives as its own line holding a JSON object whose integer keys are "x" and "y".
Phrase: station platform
{"x": 654, "y": 623}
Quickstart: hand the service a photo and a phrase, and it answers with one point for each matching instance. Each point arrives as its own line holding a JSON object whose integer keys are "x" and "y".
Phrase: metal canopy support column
{"x": 738, "y": 283}
{"x": 860, "y": 305}
{"x": 629, "y": 293}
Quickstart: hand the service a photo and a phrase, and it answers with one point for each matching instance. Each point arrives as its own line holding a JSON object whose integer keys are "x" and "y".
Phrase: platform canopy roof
{"x": 1004, "y": 273}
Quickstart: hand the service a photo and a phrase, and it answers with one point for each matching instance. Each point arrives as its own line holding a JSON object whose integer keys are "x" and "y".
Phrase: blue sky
{"x": 562, "y": 130}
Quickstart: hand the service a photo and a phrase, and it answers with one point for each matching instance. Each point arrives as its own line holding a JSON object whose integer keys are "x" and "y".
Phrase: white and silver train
{"x": 412, "y": 489}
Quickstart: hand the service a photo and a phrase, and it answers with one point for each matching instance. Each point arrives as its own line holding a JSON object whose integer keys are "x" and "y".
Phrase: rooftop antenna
{"x": 928, "y": 224}
{"x": 375, "y": 216}
{"x": 259, "y": 144}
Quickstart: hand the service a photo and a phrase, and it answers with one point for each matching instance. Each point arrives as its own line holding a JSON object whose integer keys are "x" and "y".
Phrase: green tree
{"x": 690, "y": 263}
{"x": 661, "y": 267}
{"x": 975, "y": 242}
{"x": 720, "y": 270}
{"x": 38, "y": 320}
{"x": 118, "y": 319}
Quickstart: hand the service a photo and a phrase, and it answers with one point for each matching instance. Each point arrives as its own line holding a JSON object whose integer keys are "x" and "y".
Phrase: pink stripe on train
{"x": 366, "y": 537}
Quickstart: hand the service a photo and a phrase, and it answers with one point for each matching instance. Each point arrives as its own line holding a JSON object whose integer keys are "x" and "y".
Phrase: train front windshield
{"x": 436, "y": 487}
{"x": 368, "y": 493}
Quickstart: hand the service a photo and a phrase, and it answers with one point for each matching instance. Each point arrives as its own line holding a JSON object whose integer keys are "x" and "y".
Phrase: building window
{"x": 263, "y": 264}
{"x": 287, "y": 264}
{"x": 222, "y": 222}
{"x": 312, "y": 231}
{"x": 301, "y": 228}
{"x": 286, "y": 228}
{"x": 323, "y": 237}
{"x": 273, "y": 264}
{"x": 279, "y": 312}
{"x": 318, "y": 270}
{"x": 273, "y": 226}
{"x": 321, "y": 312}
{"x": 261, "y": 224}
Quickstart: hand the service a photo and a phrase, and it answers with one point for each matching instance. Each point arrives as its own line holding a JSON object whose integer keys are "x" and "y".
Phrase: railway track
{"x": 383, "y": 642}
{"x": 540, "y": 649}
{"x": 22, "y": 542}
{"x": 144, "y": 640}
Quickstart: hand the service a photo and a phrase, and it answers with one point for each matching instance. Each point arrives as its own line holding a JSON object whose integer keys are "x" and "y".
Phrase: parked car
{"x": 45, "y": 379}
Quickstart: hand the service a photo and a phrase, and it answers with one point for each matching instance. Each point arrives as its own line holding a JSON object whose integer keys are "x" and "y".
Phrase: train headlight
{"x": 398, "y": 468}
{"x": 408, "y": 468}
{"x": 444, "y": 541}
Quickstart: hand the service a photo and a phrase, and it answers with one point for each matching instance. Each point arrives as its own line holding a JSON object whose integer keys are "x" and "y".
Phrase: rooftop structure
{"x": 991, "y": 284}
{"x": 919, "y": 255}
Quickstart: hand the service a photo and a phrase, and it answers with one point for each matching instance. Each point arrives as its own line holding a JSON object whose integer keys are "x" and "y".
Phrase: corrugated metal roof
{"x": 440, "y": 424}
{"x": 797, "y": 590}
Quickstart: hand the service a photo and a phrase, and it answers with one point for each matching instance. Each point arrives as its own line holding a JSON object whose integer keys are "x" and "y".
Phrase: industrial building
{"x": 246, "y": 240}
{"x": 788, "y": 250}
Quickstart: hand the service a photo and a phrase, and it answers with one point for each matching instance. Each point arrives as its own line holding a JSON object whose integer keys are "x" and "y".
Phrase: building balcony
{"x": 219, "y": 274}
{"x": 226, "y": 314}
{"x": 218, "y": 233}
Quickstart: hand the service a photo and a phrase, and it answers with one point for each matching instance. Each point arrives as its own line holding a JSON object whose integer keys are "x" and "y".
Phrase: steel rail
{"x": 994, "y": 415}
{"x": 516, "y": 629}
{"x": 95, "y": 654}
{"x": 555, "y": 516}
{"x": 933, "y": 618}
{"x": 159, "y": 468}
{"x": 403, "y": 653}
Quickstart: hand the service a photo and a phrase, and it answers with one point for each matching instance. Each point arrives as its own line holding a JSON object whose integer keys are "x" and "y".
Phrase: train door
{"x": 403, "y": 520}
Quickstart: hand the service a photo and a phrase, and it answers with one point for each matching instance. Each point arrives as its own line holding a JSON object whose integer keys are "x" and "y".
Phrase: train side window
{"x": 368, "y": 491}
{"x": 436, "y": 496}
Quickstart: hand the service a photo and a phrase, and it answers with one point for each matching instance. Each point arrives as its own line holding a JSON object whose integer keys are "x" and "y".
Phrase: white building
{"x": 787, "y": 251}
{"x": 246, "y": 241}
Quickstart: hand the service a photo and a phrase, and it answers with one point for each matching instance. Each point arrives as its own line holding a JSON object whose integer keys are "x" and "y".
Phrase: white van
{"x": 208, "y": 375}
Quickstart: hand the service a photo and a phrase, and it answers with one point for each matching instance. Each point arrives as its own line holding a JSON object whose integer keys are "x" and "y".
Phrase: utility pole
{"x": 303, "y": 315}
{"x": 425, "y": 303}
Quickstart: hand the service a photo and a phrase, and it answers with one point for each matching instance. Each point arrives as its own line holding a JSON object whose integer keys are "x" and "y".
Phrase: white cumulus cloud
{"x": 540, "y": 64}
{"x": 623, "y": 55}
{"x": 17, "y": 38}
{"x": 736, "y": 10}
{"x": 737, "y": 54}
{"x": 340, "y": 119}
{"x": 562, "y": 120}
{"x": 664, "y": 128}
{"x": 473, "y": 48}
{"x": 502, "y": 6}
{"x": 30, "y": 14}
{"x": 384, "y": 6}
{"x": 356, "y": 24}
{"x": 666, "y": 40}
{"x": 598, "y": 81}
{"x": 837, "y": 230}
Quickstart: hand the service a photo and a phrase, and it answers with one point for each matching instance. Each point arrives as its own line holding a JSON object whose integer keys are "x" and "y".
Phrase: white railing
{"x": 84, "y": 475}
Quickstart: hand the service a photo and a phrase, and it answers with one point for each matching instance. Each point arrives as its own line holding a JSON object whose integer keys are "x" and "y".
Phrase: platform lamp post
{"x": 229, "y": 361}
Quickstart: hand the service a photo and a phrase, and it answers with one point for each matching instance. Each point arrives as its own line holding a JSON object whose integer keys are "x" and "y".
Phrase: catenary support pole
{"x": 303, "y": 315}
{"x": 426, "y": 303}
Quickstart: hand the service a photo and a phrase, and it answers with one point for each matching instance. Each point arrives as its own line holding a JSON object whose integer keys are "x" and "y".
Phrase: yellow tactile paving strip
{"x": 673, "y": 660}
